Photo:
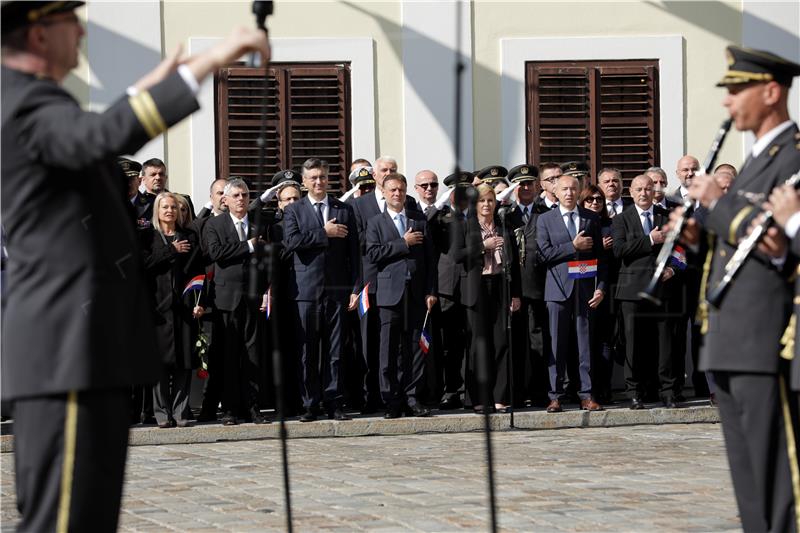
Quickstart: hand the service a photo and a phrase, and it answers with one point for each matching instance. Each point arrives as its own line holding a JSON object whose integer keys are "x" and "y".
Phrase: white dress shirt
{"x": 245, "y": 227}
{"x": 325, "y": 207}
{"x": 652, "y": 220}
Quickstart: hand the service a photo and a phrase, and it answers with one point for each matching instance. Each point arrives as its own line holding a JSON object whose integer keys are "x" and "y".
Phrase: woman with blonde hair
{"x": 488, "y": 246}
{"x": 172, "y": 258}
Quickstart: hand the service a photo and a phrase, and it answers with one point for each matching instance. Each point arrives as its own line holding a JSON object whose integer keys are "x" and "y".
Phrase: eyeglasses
{"x": 594, "y": 200}
{"x": 432, "y": 185}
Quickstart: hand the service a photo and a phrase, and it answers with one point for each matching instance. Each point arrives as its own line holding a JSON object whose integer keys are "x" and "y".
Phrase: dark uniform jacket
{"x": 532, "y": 273}
{"x": 77, "y": 311}
{"x": 744, "y": 334}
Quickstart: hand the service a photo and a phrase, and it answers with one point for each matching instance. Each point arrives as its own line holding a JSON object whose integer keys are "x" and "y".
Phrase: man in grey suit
{"x": 571, "y": 234}
{"x": 322, "y": 238}
{"x": 400, "y": 247}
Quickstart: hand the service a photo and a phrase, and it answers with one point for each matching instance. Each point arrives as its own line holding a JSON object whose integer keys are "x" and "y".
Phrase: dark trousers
{"x": 70, "y": 459}
{"x": 532, "y": 352}
{"x": 241, "y": 372}
{"x": 215, "y": 331}
{"x": 319, "y": 331}
{"x": 171, "y": 394}
{"x": 649, "y": 334}
{"x": 752, "y": 408}
{"x": 487, "y": 320}
{"x": 603, "y": 347}
{"x": 571, "y": 315}
{"x": 370, "y": 347}
{"x": 402, "y": 362}
{"x": 453, "y": 346}
{"x": 141, "y": 404}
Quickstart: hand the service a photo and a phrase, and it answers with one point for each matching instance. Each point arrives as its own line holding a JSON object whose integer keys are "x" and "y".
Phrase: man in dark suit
{"x": 638, "y": 234}
{"x": 231, "y": 239}
{"x": 571, "y": 234}
{"x": 77, "y": 336}
{"x": 743, "y": 341}
{"x": 400, "y": 247}
{"x": 322, "y": 236}
{"x": 365, "y": 207}
{"x": 610, "y": 181}
{"x": 530, "y": 328}
{"x": 211, "y": 321}
{"x": 548, "y": 176}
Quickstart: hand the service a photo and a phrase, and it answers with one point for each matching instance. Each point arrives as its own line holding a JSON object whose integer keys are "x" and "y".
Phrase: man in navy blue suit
{"x": 401, "y": 249}
{"x": 367, "y": 206}
{"x": 569, "y": 245}
{"x": 321, "y": 235}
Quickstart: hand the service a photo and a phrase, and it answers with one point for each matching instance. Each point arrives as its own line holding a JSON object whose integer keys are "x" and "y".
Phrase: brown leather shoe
{"x": 554, "y": 407}
{"x": 590, "y": 405}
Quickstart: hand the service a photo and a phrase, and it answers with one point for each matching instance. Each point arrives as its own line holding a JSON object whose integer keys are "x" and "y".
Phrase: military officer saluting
{"x": 742, "y": 342}
{"x": 76, "y": 332}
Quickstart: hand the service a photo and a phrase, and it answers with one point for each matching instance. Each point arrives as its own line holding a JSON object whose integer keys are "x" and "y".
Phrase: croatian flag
{"x": 678, "y": 258}
{"x": 195, "y": 284}
{"x": 363, "y": 301}
{"x": 586, "y": 268}
{"x": 425, "y": 337}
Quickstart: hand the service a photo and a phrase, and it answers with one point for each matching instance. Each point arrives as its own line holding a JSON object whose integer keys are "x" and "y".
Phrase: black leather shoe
{"x": 308, "y": 416}
{"x": 257, "y": 418}
{"x": 393, "y": 412}
{"x": 228, "y": 419}
{"x": 637, "y": 403}
{"x": 669, "y": 403}
{"x": 453, "y": 402}
{"x": 418, "y": 410}
{"x": 338, "y": 414}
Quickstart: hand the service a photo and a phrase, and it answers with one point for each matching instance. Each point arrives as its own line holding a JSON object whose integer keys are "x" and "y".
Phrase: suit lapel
{"x": 757, "y": 165}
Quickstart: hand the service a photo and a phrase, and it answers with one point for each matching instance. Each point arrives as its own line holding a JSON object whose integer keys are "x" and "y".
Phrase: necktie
{"x": 400, "y": 224}
{"x": 526, "y": 214}
{"x": 612, "y": 209}
{"x": 573, "y": 231}
{"x": 553, "y": 206}
{"x": 648, "y": 225}
{"x": 240, "y": 230}
{"x": 318, "y": 207}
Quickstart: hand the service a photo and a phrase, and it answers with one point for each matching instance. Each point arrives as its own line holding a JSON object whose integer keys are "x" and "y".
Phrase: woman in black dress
{"x": 172, "y": 258}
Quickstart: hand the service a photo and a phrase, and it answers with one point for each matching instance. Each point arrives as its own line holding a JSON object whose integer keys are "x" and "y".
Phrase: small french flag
{"x": 586, "y": 268}
{"x": 678, "y": 258}
{"x": 195, "y": 284}
{"x": 425, "y": 336}
{"x": 363, "y": 301}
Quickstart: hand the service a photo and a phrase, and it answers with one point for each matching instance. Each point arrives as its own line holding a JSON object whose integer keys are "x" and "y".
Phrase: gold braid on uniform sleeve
{"x": 702, "y": 309}
{"x": 147, "y": 113}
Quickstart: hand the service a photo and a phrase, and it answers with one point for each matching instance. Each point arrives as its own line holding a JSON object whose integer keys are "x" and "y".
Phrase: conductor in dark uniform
{"x": 76, "y": 331}
{"x": 743, "y": 341}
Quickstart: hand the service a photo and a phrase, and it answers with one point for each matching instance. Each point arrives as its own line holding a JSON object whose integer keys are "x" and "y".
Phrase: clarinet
{"x": 743, "y": 251}
{"x": 662, "y": 260}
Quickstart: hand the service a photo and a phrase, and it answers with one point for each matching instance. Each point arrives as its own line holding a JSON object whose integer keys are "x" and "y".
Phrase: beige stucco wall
{"x": 183, "y": 20}
{"x": 707, "y": 27}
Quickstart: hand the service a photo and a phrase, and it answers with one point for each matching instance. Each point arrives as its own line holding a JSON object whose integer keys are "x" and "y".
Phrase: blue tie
{"x": 573, "y": 231}
{"x": 318, "y": 207}
{"x": 648, "y": 226}
{"x": 400, "y": 224}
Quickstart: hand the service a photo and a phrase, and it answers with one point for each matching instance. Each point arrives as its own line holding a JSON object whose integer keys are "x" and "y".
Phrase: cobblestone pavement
{"x": 638, "y": 478}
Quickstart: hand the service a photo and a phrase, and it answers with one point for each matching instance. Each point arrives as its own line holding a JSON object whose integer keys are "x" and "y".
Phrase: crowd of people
{"x": 390, "y": 303}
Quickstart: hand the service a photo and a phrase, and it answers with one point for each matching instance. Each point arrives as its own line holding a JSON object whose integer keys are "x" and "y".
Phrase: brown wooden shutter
{"x": 602, "y": 113}
{"x": 308, "y": 116}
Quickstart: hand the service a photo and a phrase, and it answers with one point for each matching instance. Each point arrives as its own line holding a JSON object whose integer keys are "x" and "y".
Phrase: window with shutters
{"x": 604, "y": 113}
{"x": 308, "y": 115}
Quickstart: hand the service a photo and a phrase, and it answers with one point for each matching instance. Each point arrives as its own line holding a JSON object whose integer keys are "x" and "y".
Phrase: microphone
{"x": 261, "y": 9}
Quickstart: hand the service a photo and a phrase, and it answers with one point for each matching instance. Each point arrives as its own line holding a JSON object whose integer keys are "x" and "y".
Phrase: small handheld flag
{"x": 678, "y": 258}
{"x": 425, "y": 336}
{"x": 586, "y": 268}
{"x": 195, "y": 284}
{"x": 363, "y": 301}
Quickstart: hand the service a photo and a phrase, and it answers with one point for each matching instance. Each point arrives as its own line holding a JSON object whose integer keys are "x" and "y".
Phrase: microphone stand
{"x": 264, "y": 264}
{"x": 481, "y": 352}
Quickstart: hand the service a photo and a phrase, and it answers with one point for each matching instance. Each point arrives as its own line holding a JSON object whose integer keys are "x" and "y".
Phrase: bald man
{"x": 686, "y": 169}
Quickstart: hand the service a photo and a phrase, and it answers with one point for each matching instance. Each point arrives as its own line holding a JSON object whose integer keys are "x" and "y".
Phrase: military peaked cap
{"x": 18, "y": 14}
{"x": 523, "y": 173}
{"x": 746, "y": 65}
{"x": 459, "y": 179}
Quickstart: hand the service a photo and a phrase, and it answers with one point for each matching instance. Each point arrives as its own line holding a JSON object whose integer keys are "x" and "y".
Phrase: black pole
{"x": 265, "y": 265}
{"x": 482, "y": 349}
{"x": 506, "y": 303}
